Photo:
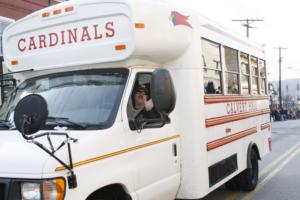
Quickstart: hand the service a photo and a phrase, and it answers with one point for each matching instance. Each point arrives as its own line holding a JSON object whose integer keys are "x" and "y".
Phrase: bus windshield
{"x": 79, "y": 99}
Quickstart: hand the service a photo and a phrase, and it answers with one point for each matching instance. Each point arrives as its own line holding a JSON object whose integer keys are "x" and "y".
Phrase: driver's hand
{"x": 149, "y": 105}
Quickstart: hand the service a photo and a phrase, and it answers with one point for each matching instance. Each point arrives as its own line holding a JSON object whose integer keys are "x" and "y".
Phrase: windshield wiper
{"x": 64, "y": 121}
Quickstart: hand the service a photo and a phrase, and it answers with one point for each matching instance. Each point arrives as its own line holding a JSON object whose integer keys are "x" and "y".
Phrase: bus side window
{"x": 254, "y": 68}
{"x": 262, "y": 75}
{"x": 212, "y": 68}
{"x": 245, "y": 73}
{"x": 232, "y": 70}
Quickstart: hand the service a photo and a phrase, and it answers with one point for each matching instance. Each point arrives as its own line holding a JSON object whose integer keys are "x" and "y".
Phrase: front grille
{"x": 2, "y": 191}
{"x": 4, "y": 187}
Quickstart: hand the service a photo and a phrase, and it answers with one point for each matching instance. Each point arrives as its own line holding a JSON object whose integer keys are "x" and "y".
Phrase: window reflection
{"x": 240, "y": 70}
{"x": 254, "y": 69}
{"x": 232, "y": 70}
{"x": 262, "y": 73}
{"x": 85, "y": 97}
{"x": 244, "y": 63}
{"x": 212, "y": 67}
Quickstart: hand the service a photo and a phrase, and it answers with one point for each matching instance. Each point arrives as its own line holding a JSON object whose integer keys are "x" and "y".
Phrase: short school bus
{"x": 85, "y": 58}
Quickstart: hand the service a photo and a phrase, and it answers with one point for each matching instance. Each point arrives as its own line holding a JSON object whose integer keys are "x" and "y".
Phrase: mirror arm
{"x": 155, "y": 125}
{"x": 25, "y": 123}
{"x": 50, "y": 153}
{"x": 51, "y": 144}
{"x": 150, "y": 123}
{"x": 140, "y": 125}
{"x": 72, "y": 181}
{"x": 147, "y": 121}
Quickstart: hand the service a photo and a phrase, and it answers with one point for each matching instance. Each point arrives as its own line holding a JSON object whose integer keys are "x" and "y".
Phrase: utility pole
{"x": 247, "y": 23}
{"x": 280, "y": 61}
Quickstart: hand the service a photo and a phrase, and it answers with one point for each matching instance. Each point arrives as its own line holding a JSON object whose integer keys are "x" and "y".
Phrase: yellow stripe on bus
{"x": 118, "y": 152}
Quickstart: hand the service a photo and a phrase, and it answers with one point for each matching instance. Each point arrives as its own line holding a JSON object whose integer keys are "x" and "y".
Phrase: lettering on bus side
{"x": 241, "y": 107}
{"x": 68, "y": 36}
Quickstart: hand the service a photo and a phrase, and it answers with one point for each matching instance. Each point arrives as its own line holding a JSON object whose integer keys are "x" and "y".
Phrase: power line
{"x": 247, "y": 23}
{"x": 280, "y": 61}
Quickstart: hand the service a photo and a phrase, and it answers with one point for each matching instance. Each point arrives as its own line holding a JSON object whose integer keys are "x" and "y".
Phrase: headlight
{"x": 30, "y": 191}
{"x": 51, "y": 190}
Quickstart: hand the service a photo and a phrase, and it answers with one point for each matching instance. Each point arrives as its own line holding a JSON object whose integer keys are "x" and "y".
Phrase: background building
{"x": 16, "y": 9}
{"x": 274, "y": 97}
{"x": 290, "y": 90}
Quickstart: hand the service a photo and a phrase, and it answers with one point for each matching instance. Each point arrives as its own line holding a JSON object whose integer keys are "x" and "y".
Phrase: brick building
{"x": 16, "y": 9}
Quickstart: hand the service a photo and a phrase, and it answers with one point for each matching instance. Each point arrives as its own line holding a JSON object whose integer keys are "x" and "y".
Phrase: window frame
{"x": 262, "y": 79}
{"x": 129, "y": 120}
{"x": 254, "y": 75}
{"x": 247, "y": 75}
{"x": 226, "y": 71}
{"x": 214, "y": 69}
{"x": 132, "y": 88}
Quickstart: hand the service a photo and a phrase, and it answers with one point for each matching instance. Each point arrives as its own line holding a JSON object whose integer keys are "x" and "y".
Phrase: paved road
{"x": 279, "y": 171}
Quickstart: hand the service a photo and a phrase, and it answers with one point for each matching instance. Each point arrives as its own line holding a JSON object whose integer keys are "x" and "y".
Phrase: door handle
{"x": 174, "y": 150}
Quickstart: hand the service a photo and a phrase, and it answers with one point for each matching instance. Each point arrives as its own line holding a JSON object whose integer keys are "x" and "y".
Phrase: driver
{"x": 142, "y": 104}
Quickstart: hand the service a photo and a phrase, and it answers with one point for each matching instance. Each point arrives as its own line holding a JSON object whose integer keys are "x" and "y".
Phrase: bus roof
{"x": 80, "y": 32}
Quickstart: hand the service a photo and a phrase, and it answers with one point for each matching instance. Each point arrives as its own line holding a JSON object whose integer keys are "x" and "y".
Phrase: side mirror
{"x": 31, "y": 114}
{"x": 162, "y": 91}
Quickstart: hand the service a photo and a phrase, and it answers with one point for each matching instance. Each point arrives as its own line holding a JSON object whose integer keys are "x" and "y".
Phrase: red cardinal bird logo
{"x": 179, "y": 19}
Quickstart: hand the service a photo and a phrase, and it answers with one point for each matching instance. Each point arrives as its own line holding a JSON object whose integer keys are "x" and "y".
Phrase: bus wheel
{"x": 248, "y": 179}
{"x": 113, "y": 197}
{"x": 232, "y": 184}
{"x": 110, "y": 192}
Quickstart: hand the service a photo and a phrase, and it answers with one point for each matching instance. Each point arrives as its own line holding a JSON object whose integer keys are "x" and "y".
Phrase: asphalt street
{"x": 279, "y": 170}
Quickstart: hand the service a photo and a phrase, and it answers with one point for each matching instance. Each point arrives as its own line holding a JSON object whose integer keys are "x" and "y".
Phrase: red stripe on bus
{"x": 231, "y": 138}
{"x": 236, "y": 117}
{"x": 265, "y": 126}
{"x": 231, "y": 98}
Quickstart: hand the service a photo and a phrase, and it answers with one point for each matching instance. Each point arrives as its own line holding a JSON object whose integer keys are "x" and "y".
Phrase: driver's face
{"x": 140, "y": 98}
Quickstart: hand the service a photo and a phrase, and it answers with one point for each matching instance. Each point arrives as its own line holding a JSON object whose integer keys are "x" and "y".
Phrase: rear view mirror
{"x": 162, "y": 91}
{"x": 30, "y": 114}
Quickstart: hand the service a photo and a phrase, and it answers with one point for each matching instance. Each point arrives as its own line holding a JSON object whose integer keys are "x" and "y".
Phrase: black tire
{"x": 248, "y": 179}
{"x": 110, "y": 193}
{"x": 232, "y": 184}
{"x": 113, "y": 197}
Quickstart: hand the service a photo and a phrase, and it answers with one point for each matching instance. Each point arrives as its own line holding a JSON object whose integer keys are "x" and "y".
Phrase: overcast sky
{"x": 280, "y": 27}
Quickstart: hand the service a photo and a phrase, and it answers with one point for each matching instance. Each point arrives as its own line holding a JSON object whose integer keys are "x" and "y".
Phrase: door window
{"x": 140, "y": 105}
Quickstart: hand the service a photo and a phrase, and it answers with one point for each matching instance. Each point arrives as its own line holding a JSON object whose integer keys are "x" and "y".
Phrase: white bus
{"x": 156, "y": 102}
